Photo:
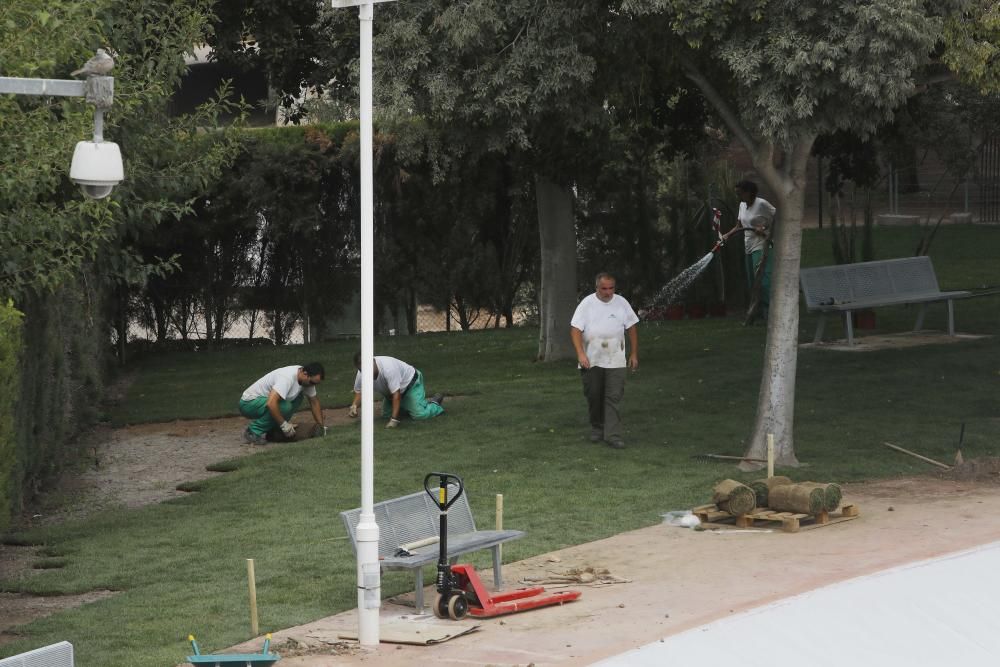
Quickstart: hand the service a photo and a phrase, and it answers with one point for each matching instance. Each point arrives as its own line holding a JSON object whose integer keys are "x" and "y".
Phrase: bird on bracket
{"x": 99, "y": 65}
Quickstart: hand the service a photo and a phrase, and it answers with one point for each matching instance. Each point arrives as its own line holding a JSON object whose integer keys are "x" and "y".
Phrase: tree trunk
{"x": 557, "y": 293}
{"x": 776, "y": 400}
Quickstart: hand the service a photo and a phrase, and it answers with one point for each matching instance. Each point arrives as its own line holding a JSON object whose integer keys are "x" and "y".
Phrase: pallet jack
{"x": 460, "y": 591}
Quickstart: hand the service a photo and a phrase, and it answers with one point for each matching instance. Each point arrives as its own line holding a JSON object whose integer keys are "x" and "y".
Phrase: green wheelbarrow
{"x": 262, "y": 659}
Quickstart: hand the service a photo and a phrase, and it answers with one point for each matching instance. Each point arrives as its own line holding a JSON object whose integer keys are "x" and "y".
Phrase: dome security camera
{"x": 96, "y": 168}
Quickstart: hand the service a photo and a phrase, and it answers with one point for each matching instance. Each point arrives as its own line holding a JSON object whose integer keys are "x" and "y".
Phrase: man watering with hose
{"x": 598, "y": 331}
{"x": 756, "y": 214}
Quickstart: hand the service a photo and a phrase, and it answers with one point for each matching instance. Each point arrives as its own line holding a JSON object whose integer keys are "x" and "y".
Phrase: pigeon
{"x": 99, "y": 65}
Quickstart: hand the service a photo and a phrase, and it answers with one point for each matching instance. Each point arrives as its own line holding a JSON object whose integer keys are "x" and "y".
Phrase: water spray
{"x": 683, "y": 280}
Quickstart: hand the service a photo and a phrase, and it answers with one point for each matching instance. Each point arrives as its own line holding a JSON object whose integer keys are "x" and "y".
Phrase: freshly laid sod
{"x": 512, "y": 426}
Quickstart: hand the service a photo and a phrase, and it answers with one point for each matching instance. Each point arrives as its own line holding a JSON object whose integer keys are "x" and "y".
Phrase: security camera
{"x": 97, "y": 168}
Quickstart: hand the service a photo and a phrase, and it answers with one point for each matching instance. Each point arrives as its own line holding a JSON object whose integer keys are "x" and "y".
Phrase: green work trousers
{"x": 263, "y": 422}
{"x": 604, "y": 388}
{"x": 752, "y": 262}
{"x": 413, "y": 401}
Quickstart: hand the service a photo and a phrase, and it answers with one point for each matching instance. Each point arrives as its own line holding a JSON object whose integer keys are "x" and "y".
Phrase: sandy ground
{"x": 659, "y": 580}
{"x": 679, "y": 579}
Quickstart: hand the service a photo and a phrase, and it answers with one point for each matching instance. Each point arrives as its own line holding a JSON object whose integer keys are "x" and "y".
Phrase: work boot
{"x": 616, "y": 443}
{"x": 252, "y": 438}
{"x": 596, "y": 434}
{"x": 437, "y": 398}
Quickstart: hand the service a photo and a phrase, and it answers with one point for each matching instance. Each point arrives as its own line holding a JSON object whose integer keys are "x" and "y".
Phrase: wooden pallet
{"x": 791, "y": 522}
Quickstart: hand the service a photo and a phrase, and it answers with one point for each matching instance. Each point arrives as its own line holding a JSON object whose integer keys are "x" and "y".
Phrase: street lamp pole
{"x": 367, "y": 531}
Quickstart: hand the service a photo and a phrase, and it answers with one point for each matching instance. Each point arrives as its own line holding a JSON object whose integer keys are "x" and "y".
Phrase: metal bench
{"x": 408, "y": 519}
{"x": 845, "y": 288}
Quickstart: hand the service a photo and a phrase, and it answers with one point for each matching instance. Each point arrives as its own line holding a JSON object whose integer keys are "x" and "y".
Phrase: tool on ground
{"x": 262, "y": 659}
{"x": 915, "y": 455}
{"x": 460, "y": 591}
{"x": 723, "y": 457}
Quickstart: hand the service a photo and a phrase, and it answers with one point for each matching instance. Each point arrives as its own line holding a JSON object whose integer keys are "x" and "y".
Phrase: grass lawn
{"x": 514, "y": 427}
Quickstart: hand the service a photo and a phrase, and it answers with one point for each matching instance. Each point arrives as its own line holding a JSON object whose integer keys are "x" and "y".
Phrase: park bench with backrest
{"x": 846, "y": 288}
{"x": 416, "y": 518}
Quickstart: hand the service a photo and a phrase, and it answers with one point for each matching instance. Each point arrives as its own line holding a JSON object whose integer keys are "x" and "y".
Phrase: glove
{"x": 393, "y": 423}
{"x": 352, "y": 411}
{"x": 318, "y": 431}
{"x": 288, "y": 429}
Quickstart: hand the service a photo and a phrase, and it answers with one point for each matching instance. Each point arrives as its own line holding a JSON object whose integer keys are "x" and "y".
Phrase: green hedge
{"x": 10, "y": 349}
{"x": 60, "y": 387}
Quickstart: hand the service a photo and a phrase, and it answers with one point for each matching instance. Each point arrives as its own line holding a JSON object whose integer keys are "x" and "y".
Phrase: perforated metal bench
{"x": 416, "y": 517}
{"x": 845, "y": 288}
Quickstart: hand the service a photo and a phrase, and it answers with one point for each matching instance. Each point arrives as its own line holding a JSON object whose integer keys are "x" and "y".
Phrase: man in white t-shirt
{"x": 272, "y": 400}
{"x": 756, "y": 214}
{"x": 598, "y": 330}
{"x": 402, "y": 389}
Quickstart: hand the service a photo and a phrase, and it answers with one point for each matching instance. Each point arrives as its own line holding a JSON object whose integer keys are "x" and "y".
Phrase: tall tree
{"x": 780, "y": 73}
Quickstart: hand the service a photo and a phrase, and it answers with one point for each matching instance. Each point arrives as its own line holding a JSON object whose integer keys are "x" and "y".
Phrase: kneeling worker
{"x": 272, "y": 400}
{"x": 402, "y": 387}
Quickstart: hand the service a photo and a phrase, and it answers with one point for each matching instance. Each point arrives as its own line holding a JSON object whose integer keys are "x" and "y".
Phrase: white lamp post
{"x": 97, "y": 165}
{"x": 369, "y": 575}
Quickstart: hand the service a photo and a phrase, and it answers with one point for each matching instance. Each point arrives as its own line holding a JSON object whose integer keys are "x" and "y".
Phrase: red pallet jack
{"x": 460, "y": 591}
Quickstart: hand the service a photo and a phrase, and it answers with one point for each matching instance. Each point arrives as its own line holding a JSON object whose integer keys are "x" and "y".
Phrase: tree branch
{"x": 727, "y": 113}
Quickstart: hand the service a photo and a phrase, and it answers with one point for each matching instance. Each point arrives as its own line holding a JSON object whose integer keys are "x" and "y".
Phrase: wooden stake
{"x": 770, "y": 455}
{"x": 500, "y": 524}
{"x": 251, "y": 578}
{"x": 914, "y": 454}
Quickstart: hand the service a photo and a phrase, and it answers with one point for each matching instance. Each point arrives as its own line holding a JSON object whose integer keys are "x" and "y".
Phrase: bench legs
{"x": 849, "y": 326}
{"x": 951, "y": 317}
{"x": 818, "y": 338}
{"x": 418, "y": 600}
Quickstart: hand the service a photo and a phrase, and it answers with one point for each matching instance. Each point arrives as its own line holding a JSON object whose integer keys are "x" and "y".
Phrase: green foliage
{"x": 46, "y": 231}
{"x": 10, "y": 350}
{"x": 60, "y": 381}
{"x": 972, "y": 39}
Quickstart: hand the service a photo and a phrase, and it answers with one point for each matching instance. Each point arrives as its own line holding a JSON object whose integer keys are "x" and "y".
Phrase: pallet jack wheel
{"x": 440, "y": 606}
{"x": 458, "y": 607}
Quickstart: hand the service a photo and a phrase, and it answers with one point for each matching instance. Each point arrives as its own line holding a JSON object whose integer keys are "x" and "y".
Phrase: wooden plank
{"x": 849, "y": 510}
{"x": 744, "y": 521}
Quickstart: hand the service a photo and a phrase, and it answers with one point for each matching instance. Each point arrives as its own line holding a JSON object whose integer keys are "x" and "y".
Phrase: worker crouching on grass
{"x": 272, "y": 400}
{"x": 402, "y": 388}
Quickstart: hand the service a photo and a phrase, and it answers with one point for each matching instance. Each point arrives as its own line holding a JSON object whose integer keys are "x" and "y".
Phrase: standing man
{"x": 598, "y": 331}
{"x": 272, "y": 400}
{"x": 402, "y": 389}
{"x": 756, "y": 214}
